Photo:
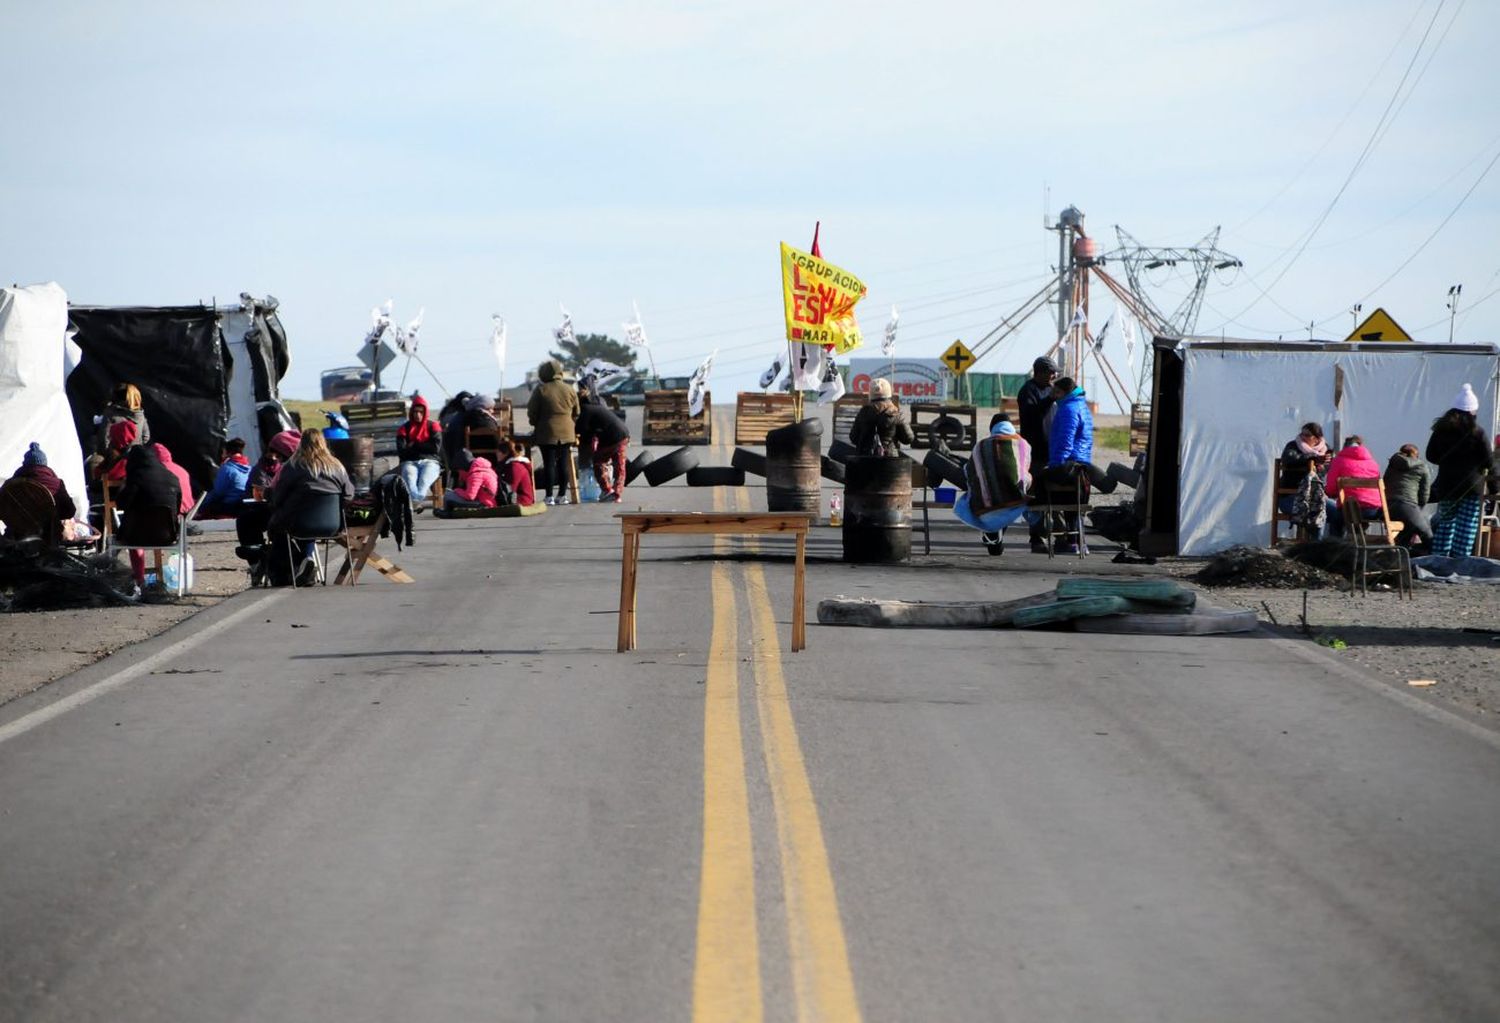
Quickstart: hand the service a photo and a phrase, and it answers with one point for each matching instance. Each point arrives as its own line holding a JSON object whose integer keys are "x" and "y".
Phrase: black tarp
{"x": 178, "y": 359}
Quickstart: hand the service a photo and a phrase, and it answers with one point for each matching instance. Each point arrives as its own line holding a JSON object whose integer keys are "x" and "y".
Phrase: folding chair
{"x": 322, "y": 508}
{"x": 1061, "y": 499}
{"x": 154, "y": 520}
{"x": 1299, "y": 529}
{"x": 1380, "y": 545}
{"x": 27, "y": 509}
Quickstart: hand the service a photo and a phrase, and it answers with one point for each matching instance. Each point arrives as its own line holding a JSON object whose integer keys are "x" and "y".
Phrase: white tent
{"x": 35, "y": 360}
{"x": 1222, "y": 410}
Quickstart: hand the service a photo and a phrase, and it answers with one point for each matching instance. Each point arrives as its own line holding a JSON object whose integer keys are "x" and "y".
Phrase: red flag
{"x": 815, "y": 250}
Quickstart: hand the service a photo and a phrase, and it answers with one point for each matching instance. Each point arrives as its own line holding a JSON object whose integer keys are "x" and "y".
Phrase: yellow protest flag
{"x": 820, "y": 300}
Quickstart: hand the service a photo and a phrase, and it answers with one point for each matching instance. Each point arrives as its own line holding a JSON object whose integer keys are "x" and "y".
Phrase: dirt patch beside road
{"x": 40, "y": 646}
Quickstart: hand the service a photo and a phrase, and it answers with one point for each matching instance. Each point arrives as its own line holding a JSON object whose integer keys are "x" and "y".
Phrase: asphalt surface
{"x": 454, "y": 801}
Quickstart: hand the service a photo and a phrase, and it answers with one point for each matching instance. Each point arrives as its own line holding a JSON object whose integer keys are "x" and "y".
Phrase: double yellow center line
{"x": 727, "y": 971}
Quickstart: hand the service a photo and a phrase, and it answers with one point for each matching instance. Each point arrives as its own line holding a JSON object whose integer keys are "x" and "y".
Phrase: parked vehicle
{"x": 631, "y": 390}
{"x": 346, "y": 383}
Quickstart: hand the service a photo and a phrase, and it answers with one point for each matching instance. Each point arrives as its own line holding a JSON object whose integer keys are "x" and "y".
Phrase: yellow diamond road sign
{"x": 958, "y": 358}
{"x": 1379, "y": 326}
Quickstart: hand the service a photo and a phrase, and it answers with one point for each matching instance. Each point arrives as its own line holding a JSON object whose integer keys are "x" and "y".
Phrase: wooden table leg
{"x": 573, "y": 473}
{"x": 799, "y": 594}
{"x": 635, "y": 561}
{"x": 625, "y": 636}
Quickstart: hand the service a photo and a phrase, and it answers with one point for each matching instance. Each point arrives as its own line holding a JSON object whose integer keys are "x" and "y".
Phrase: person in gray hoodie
{"x": 1407, "y": 486}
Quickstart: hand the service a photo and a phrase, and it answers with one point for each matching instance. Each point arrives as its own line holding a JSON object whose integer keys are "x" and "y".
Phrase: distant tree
{"x": 595, "y": 346}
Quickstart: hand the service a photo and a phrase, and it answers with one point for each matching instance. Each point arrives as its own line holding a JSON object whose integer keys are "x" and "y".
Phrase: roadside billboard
{"x": 912, "y": 379}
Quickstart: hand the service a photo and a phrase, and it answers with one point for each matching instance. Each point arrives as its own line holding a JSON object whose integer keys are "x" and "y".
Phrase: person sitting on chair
{"x": 997, "y": 479}
{"x": 1070, "y": 450}
{"x": 149, "y": 504}
{"x": 419, "y": 441}
{"x": 34, "y": 467}
{"x": 230, "y": 484}
{"x": 1353, "y": 460}
{"x": 1407, "y": 484}
{"x": 298, "y": 505}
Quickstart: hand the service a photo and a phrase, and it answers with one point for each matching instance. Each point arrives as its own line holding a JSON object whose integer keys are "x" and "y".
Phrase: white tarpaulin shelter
{"x": 35, "y": 360}
{"x": 1222, "y": 410}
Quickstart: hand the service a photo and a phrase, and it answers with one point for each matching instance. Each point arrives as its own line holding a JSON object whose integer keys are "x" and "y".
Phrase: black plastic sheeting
{"x": 269, "y": 359}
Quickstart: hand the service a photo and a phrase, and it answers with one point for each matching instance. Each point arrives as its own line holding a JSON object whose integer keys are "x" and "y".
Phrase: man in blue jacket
{"x": 1070, "y": 442}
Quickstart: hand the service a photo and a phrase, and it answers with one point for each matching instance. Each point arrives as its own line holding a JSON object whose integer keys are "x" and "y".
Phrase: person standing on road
{"x": 1407, "y": 483}
{"x": 419, "y": 441}
{"x": 552, "y": 410}
{"x": 879, "y": 428}
{"x": 1034, "y": 401}
{"x": 1461, "y": 452}
{"x": 603, "y": 433}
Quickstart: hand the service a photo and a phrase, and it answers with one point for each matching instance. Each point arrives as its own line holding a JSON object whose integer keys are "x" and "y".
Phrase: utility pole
{"x": 1453, "y": 293}
{"x": 1354, "y": 312}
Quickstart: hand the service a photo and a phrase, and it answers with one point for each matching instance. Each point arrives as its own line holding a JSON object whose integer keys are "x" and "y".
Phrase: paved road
{"x": 454, "y": 801}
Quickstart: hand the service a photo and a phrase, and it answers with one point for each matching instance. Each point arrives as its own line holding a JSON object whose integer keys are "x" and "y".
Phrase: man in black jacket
{"x": 1034, "y": 400}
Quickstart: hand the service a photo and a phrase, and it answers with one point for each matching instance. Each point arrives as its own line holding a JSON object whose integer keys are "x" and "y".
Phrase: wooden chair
{"x": 28, "y": 510}
{"x": 1277, "y": 515}
{"x": 484, "y": 442}
{"x": 1379, "y": 545}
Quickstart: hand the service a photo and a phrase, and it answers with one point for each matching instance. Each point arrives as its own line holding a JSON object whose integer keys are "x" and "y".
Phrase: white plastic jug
{"x": 170, "y": 572}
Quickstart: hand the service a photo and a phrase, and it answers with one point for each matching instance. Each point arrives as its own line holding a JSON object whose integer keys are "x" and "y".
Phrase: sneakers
{"x": 549, "y": 500}
{"x": 609, "y": 498}
{"x": 563, "y": 499}
{"x": 1038, "y": 545}
{"x": 994, "y": 543}
{"x": 307, "y": 574}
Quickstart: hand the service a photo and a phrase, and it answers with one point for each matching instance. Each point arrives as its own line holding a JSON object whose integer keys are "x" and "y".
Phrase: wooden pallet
{"x": 380, "y": 419}
{"x": 1140, "y": 427}
{"x": 667, "y": 420}
{"x": 757, "y": 414}
{"x": 924, "y": 414}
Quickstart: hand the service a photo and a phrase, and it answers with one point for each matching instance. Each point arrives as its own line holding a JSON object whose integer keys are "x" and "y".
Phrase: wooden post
{"x": 573, "y": 473}
{"x": 799, "y": 594}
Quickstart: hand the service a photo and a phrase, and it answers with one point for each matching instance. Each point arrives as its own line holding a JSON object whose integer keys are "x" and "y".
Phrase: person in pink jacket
{"x": 1353, "y": 460}
{"x": 479, "y": 488}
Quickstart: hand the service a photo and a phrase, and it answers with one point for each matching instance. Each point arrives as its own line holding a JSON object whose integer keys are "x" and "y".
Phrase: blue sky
{"x": 473, "y": 158}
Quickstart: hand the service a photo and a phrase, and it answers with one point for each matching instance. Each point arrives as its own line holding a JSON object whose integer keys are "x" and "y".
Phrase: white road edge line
{"x": 1390, "y": 690}
{"x": 41, "y": 716}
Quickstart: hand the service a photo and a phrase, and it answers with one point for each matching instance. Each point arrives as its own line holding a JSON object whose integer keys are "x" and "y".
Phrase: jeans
{"x": 420, "y": 474}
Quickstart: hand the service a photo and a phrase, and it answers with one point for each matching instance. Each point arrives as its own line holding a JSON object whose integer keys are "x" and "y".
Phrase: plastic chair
{"x": 1380, "y": 545}
{"x": 320, "y": 508}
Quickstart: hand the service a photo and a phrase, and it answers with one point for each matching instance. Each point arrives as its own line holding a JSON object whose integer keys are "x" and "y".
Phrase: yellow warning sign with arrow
{"x": 1379, "y": 326}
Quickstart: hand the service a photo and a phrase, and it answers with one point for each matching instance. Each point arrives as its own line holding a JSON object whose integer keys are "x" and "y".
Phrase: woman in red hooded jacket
{"x": 480, "y": 487}
{"x": 419, "y": 442}
{"x": 1355, "y": 461}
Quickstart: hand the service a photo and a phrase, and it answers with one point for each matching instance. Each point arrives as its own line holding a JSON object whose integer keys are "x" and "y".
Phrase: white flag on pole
{"x": 769, "y": 376}
{"x": 406, "y": 340}
{"x": 563, "y": 332}
{"x": 380, "y": 319}
{"x": 888, "y": 343}
{"x": 698, "y": 385}
{"x": 807, "y": 367}
{"x": 1127, "y": 334}
{"x": 635, "y": 330}
{"x": 497, "y": 344}
{"x": 1080, "y": 318}
{"x": 832, "y": 387}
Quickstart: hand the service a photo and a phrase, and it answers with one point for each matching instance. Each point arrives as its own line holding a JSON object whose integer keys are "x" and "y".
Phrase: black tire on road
{"x": 715, "y": 476}
{"x": 950, "y": 430}
{"x": 670, "y": 466}
{"x": 833, "y": 470}
{"x": 841, "y": 450}
{"x": 749, "y": 461}
{"x": 637, "y": 465}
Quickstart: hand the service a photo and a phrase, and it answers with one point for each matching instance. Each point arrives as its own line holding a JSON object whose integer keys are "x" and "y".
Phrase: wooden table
{"x": 361, "y": 551}
{"x": 633, "y": 524}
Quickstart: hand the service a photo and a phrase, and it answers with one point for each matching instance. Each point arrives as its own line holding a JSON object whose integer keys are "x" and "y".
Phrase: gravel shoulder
{"x": 40, "y": 646}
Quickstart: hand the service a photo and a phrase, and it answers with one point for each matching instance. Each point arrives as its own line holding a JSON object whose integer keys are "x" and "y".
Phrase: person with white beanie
{"x": 1461, "y": 452}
